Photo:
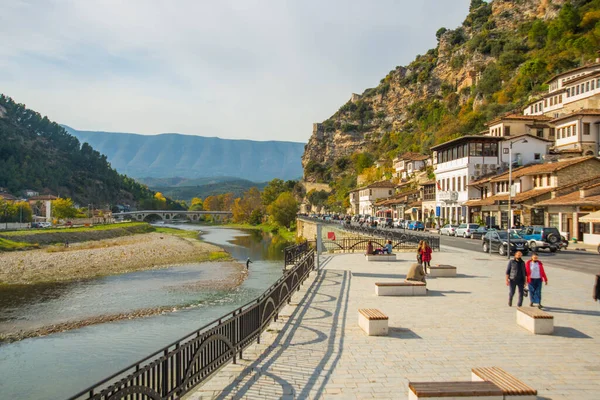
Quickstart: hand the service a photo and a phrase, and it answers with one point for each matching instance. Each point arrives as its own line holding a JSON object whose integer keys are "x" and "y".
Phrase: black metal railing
{"x": 175, "y": 369}
{"x": 400, "y": 235}
{"x": 359, "y": 244}
{"x": 294, "y": 253}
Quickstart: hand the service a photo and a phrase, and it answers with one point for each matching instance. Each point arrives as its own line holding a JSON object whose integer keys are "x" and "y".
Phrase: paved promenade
{"x": 316, "y": 349}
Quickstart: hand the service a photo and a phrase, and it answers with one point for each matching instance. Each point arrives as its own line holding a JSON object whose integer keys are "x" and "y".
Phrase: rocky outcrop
{"x": 444, "y": 73}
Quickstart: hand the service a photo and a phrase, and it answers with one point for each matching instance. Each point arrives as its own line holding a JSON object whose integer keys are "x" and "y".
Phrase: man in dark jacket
{"x": 596, "y": 293}
{"x": 516, "y": 275}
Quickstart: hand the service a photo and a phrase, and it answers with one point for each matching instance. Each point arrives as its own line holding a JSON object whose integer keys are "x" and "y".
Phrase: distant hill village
{"x": 543, "y": 159}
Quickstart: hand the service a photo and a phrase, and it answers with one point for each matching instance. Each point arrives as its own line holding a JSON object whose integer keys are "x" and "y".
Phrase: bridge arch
{"x": 152, "y": 217}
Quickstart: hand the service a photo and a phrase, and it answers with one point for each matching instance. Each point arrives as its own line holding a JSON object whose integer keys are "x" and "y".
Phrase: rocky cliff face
{"x": 447, "y": 74}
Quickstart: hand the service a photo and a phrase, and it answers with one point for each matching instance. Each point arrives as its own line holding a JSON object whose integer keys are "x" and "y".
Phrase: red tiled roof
{"x": 571, "y": 71}
{"x": 519, "y": 117}
{"x": 582, "y": 78}
{"x": 582, "y": 112}
{"x": 7, "y": 196}
{"x": 410, "y": 156}
{"x": 572, "y": 199}
{"x": 518, "y": 198}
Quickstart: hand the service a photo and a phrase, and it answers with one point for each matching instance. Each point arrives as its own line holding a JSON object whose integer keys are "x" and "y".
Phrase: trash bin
{"x": 574, "y": 240}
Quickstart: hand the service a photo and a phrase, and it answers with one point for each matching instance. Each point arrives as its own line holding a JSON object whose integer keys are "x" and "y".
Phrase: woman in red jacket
{"x": 535, "y": 276}
{"x": 425, "y": 253}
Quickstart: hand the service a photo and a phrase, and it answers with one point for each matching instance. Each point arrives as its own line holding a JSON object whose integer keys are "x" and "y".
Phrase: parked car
{"x": 541, "y": 237}
{"x": 44, "y": 224}
{"x": 480, "y": 232}
{"x": 448, "y": 229}
{"x": 498, "y": 240}
{"x": 388, "y": 223}
{"x": 465, "y": 230}
{"x": 416, "y": 226}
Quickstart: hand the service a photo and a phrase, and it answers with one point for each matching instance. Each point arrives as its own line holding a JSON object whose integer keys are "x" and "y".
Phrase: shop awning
{"x": 593, "y": 217}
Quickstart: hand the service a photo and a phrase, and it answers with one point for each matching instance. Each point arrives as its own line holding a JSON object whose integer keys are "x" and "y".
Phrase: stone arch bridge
{"x": 171, "y": 215}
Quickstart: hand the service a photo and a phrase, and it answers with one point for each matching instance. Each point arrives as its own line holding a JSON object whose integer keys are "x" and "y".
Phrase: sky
{"x": 247, "y": 69}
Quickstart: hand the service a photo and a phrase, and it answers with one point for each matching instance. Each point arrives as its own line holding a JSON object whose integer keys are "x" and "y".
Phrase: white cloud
{"x": 241, "y": 69}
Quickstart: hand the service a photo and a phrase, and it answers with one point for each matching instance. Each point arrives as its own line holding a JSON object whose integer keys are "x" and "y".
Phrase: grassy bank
{"x": 290, "y": 236}
{"x": 75, "y": 235}
{"x": 11, "y": 245}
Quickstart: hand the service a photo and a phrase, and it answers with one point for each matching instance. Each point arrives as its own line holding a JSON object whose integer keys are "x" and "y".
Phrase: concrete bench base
{"x": 380, "y": 257}
{"x": 442, "y": 271}
{"x": 454, "y": 391}
{"x": 406, "y": 288}
{"x": 535, "y": 321}
{"x": 373, "y": 322}
{"x": 511, "y": 387}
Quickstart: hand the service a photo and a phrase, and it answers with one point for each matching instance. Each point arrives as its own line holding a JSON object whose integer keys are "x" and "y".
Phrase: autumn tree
{"x": 63, "y": 208}
{"x": 196, "y": 204}
{"x": 244, "y": 207}
{"x": 284, "y": 209}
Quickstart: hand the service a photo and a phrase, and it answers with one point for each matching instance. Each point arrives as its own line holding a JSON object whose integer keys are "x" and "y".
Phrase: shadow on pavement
{"x": 572, "y": 311}
{"x": 402, "y": 333}
{"x": 383, "y": 276}
{"x": 333, "y": 335}
{"x": 568, "y": 332}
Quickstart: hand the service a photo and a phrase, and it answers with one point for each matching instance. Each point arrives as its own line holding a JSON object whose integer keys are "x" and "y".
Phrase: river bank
{"x": 85, "y": 260}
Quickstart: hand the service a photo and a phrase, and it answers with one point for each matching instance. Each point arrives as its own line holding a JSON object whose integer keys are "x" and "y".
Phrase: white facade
{"x": 369, "y": 195}
{"x": 579, "y": 132}
{"x": 405, "y": 168}
{"x": 534, "y": 151}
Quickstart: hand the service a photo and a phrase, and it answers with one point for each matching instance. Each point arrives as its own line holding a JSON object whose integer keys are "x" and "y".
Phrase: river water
{"x": 59, "y": 365}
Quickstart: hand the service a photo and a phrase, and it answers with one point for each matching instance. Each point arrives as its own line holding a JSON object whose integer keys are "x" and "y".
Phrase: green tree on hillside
{"x": 284, "y": 209}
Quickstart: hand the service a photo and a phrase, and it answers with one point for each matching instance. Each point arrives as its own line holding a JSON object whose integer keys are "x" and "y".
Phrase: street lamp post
{"x": 510, "y": 216}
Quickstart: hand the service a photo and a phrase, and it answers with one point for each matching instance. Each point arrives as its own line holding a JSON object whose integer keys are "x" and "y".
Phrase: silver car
{"x": 448, "y": 229}
{"x": 465, "y": 230}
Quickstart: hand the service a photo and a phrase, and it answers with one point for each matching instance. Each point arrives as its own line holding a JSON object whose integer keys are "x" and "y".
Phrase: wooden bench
{"x": 406, "y": 288}
{"x": 442, "y": 270}
{"x": 535, "y": 320}
{"x": 453, "y": 390}
{"x": 381, "y": 257}
{"x": 509, "y": 385}
{"x": 373, "y": 322}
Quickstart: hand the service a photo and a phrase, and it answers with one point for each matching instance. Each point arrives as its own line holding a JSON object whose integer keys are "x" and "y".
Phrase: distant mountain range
{"x": 172, "y": 155}
{"x": 186, "y": 189}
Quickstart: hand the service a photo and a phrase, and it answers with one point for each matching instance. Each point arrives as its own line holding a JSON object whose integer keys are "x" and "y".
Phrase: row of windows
{"x": 455, "y": 184}
{"x": 553, "y": 100}
{"x": 537, "y": 107}
{"x": 369, "y": 192}
{"x": 429, "y": 193}
{"x": 543, "y": 180}
{"x": 474, "y": 149}
{"x": 498, "y": 131}
{"x": 567, "y": 131}
{"x": 583, "y": 88}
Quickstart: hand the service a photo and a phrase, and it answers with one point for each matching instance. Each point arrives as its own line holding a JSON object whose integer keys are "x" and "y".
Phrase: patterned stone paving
{"x": 316, "y": 349}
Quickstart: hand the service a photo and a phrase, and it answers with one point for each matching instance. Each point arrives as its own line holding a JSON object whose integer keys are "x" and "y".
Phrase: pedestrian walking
{"x": 369, "y": 247}
{"x": 535, "y": 276}
{"x": 596, "y": 294}
{"x": 425, "y": 253}
{"x": 419, "y": 258}
{"x": 516, "y": 276}
{"x": 248, "y": 262}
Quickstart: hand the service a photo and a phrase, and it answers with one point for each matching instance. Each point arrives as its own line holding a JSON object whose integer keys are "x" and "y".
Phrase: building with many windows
{"x": 461, "y": 161}
{"x": 370, "y": 194}
{"x": 409, "y": 163}
{"x": 530, "y": 185}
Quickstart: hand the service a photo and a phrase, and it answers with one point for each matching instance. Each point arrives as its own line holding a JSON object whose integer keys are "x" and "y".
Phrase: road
{"x": 573, "y": 260}
{"x": 587, "y": 262}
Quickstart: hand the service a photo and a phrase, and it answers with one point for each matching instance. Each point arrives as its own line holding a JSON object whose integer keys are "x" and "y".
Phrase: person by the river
{"x": 370, "y": 247}
{"x": 248, "y": 262}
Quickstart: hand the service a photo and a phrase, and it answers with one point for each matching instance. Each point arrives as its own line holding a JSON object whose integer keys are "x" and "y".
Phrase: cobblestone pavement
{"x": 317, "y": 350}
